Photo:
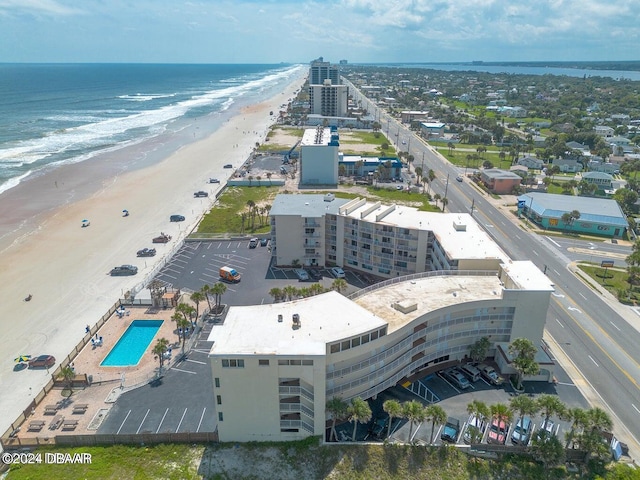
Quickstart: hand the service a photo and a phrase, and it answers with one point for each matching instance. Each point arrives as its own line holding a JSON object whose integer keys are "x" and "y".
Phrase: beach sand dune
{"x": 45, "y": 251}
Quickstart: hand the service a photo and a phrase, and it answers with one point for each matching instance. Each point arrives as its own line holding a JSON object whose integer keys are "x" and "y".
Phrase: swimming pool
{"x": 132, "y": 344}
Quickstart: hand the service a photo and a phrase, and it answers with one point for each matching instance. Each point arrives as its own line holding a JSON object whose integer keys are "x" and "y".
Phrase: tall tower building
{"x": 321, "y": 71}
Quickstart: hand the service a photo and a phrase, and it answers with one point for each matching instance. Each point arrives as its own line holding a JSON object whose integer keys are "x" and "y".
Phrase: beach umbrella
{"x": 22, "y": 358}
{"x": 85, "y": 221}
{"x": 125, "y": 211}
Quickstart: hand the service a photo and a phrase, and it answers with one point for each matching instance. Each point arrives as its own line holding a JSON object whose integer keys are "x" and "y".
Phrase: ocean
{"x": 56, "y": 114}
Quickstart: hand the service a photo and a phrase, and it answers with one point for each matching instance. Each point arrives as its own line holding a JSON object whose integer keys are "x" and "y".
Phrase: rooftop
{"x": 305, "y": 205}
{"x": 325, "y": 318}
{"x": 316, "y": 136}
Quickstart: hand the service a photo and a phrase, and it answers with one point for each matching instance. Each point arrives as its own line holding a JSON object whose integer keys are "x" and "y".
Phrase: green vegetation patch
{"x": 226, "y": 215}
{"x": 615, "y": 281}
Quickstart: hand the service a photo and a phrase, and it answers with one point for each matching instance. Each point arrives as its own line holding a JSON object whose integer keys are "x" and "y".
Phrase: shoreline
{"x": 45, "y": 252}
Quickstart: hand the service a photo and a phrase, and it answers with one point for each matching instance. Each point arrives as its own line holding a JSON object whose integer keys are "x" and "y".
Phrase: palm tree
{"x": 359, "y": 412}
{"x": 339, "y": 285}
{"x": 432, "y": 176}
{"x": 578, "y": 418}
{"x": 523, "y": 352}
{"x": 269, "y": 174}
{"x": 218, "y": 290}
{"x": 290, "y": 292}
{"x": 181, "y": 325}
{"x": 549, "y": 405}
{"x": 445, "y": 202}
{"x": 197, "y": 297}
{"x": 68, "y": 374}
{"x": 250, "y": 178}
{"x": 206, "y": 291}
{"x": 501, "y": 412}
{"x": 480, "y": 410}
{"x": 156, "y": 289}
{"x": 394, "y": 410}
{"x": 251, "y": 205}
{"x": 414, "y": 412}
{"x": 523, "y": 405}
{"x": 437, "y": 198}
{"x": 337, "y": 409}
{"x": 437, "y": 415}
{"x": 276, "y": 293}
{"x": 159, "y": 349}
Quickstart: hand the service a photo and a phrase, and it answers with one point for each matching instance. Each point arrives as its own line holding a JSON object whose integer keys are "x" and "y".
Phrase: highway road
{"x": 599, "y": 337}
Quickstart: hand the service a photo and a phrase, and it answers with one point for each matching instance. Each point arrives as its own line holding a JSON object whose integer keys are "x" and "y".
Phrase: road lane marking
{"x": 635, "y": 408}
{"x": 582, "y": 295}
{"x": 614, "y": 325}
{"x": 165, "y": 414}
{"x": 559, "y": 323}
{"x": 593, "y": 360}
{"x": 142, "y": 422}
{"x": 195, "y": 361}
{"x": 536, "y": 253}
{"x": 122, "y": 424}
{"x": 554, "y": 242}
{"x": 557, "y": 272}
{"x": 574, "y": 309}
{"x": 180, "y": 423}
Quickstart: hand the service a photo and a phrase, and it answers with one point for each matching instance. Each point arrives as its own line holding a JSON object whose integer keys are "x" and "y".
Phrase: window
{"x": 263, "y": 363}
{"x": 307, "y": 362}
{"x": 225, "y": 363}
{"x": 355, "y": 342}
{"x": 220, "y": 418}
{"x": 219, "y": 399}
{"x": 374, "y": 335}
{"x": 217, "y": 382}
{"x": 365, "y": 339}
{"x": 335, "y": 348}
{"x": 295, "y": 362}
{"x": 232, "y": 363}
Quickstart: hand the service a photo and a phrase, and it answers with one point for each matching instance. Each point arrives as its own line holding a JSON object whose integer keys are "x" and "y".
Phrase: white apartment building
{"x": 329, "y": 100}
{"x": 275, "y": 366}
{"x": 384, "y": 240}
{"x": 319, "y": 156}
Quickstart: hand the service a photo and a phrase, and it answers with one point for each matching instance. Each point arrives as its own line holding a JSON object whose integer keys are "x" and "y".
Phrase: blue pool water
{"x": 132, "y": 344}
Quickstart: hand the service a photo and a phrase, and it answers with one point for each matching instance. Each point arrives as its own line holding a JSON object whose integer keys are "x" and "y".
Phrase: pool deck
{"x": 83, "y": 412}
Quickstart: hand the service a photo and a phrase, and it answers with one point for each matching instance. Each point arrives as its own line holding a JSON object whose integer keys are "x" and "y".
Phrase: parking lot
{"x": 198, "y": 263}
{"x": 454, "y": 402}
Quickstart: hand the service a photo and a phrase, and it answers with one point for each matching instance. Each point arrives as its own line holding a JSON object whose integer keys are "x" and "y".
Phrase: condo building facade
{"x": 275, "y": 366}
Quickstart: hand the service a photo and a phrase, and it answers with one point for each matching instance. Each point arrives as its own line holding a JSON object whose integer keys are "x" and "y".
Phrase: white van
{"x": 471, "y": 372}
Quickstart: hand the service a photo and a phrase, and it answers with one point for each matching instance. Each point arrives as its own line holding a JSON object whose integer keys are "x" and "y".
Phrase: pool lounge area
{"x": 133, "y": 343}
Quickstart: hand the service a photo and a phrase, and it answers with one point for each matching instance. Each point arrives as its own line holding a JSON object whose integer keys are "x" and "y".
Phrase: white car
{"x": 301, "y": 274}
{"x": 337, "y": 272}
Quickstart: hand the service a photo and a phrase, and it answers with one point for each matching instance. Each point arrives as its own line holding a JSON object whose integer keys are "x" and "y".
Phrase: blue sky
{"x": 272, "y": 31}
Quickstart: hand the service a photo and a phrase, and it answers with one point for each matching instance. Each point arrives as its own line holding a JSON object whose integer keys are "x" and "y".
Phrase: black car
{"x": 264, "y": 242}
{"x": 214, "y": 180}
{"x": 176, "y": 218}
{"x": 147, "y": 252}
{"x": 123, "y": 270}
{"x": 379, "y": 427}
{"x": 201, "y": 193}
{"x": 314, "y": 274}
{"x": 228, "y": 165}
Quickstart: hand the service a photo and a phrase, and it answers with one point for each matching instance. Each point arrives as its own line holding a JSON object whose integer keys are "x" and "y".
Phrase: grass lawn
{"x": 615, "y": 281}
{"x": 225, "y": 216}
{"x": 350, "y": 141}
{"x": 556, "y": 188}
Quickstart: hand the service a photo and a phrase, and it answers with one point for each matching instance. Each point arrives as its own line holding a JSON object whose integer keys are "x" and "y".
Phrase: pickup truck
{"x": 451, "y": 430}
{"x": 490, "y": 375}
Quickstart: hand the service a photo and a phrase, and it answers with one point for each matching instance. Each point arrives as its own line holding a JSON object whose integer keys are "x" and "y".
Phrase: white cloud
{"x": 37, "y": 7}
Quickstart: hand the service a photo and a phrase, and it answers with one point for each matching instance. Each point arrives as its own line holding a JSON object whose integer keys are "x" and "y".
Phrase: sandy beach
{"x": 45, "y": 252}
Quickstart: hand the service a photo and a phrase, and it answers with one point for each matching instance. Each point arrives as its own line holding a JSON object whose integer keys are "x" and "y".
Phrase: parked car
{"x": 459, "y": 178}
{"x": 490, "y": 375}
{"x": 123, "y": 270}
{"x": 176, "y": 218}
{"x": 228, "y": 165}
{"x": 456, "y": 377}
{"x": 474, "y": 430}
{"x": 264, "y": 242}
{"x": 451, "y": 430}
{"x": 522, "y": 433}
{"x": 214, "y": 180}
{"x": 379, "y": 427}
{"x": 471, "y": 372}
{"x": 162, "y": 238}
{"x": 337, "y": 272}
{"x": 146, "y": 252}
{"x": 253, "y": 243}
{"x": 200, "y": 193}
{"x": 42, "y": 361}
{"x": 301, "y": 274}
{"x": 314, "y": 274}
{"x": 547, "y": 430}
{"x": 498, "y": 431}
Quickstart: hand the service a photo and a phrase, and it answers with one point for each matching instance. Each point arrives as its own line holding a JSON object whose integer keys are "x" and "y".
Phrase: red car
{"x": 42, "y": 361}
{"x": 498, "y": 431}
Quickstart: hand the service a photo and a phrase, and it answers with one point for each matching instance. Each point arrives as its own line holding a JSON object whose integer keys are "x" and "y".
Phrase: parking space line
{"x": 122, "y": 424}
{"x": 195, "y": 361}
{"x": 180, "y": 423}
{"x": 184, "y": 371}
{"x": 142, "y": 422}
{"x": 162, "y": 420}
{"x": 201, "y": 419}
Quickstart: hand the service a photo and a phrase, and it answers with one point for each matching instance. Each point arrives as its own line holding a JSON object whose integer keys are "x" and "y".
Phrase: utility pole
{"x": 422, "y": 166}
{"x": 446, "y": 187}
{"x": 473, "y": 202}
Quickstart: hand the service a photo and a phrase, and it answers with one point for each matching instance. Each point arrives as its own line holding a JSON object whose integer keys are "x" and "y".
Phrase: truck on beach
{"x": 229, "y": 274}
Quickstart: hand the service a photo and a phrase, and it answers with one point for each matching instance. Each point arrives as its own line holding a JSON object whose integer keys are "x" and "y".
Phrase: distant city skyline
{"x": 297, "y": 31}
